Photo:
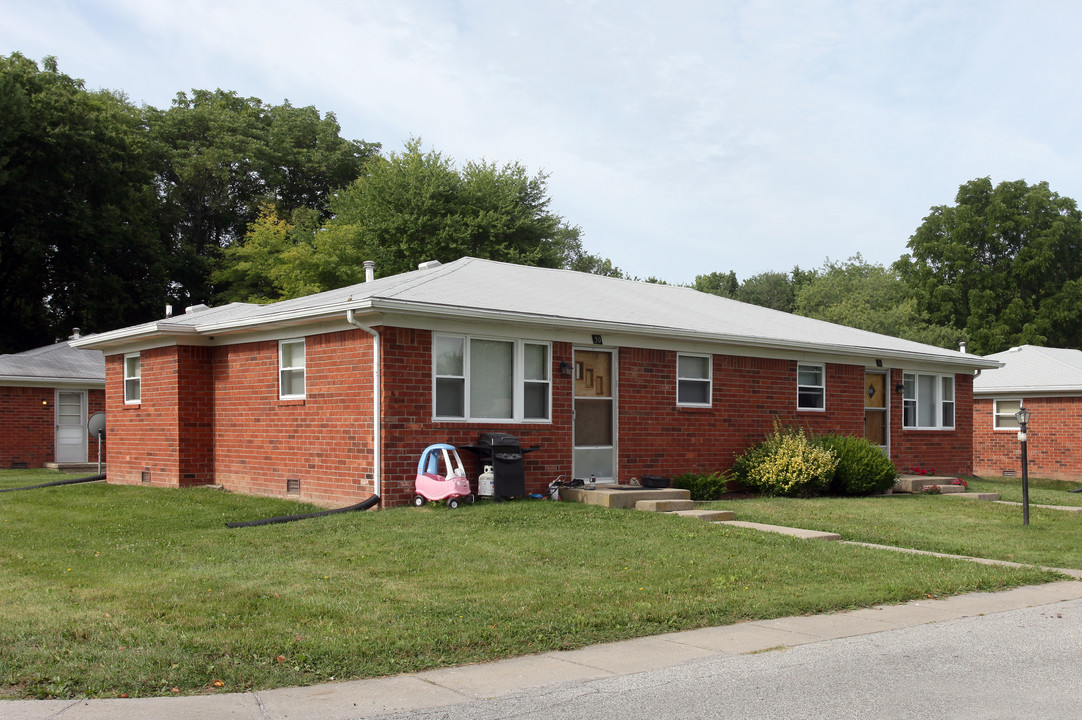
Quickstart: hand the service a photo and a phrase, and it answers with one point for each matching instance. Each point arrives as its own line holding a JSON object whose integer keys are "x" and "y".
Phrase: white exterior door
{"x": 71, "y": 426}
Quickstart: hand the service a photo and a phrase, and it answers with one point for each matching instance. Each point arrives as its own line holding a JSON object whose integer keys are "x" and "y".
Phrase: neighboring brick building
{"x": 333, "y": 396}
{"x": 1048, "y": 381}
{"x": 46, "y": 396}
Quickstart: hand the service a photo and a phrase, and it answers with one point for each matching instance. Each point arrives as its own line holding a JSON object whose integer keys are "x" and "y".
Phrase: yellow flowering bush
{"x": 787, "y": 463}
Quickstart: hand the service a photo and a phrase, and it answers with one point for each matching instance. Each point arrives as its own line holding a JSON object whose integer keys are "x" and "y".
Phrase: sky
{"x": 682, "y": 137}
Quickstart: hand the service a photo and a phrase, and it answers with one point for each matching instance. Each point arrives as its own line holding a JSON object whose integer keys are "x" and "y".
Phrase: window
{"x": 490, "y": 379}
{"x": 291, "y": 369}
{"x": 133, "y": 379}
{"x": 1003, "y": 414}
{"x": 928, "y": 401}
{"x": 693, "y": 385}
{"x": 811, "y": 391}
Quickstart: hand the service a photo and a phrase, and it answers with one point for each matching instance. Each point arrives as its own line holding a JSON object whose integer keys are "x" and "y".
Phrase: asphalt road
{"x": 1016, "y": 664}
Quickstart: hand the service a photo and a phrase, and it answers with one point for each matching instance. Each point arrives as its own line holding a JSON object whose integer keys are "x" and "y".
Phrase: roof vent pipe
{"x": 369, "y": 270}
{"x": 962, "y": 346}
{"x": 74, "y": 334}
{"x": 169, "y": 311}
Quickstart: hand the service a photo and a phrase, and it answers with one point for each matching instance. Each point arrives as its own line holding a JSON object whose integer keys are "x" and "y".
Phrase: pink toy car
{"x": 451, "y": 485}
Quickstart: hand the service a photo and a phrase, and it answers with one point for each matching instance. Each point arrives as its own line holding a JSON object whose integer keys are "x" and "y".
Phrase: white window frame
{"x": 996, "y": 414}
{"x": 283, "y": 369}
{"x": 822, "y": 387}
{"x": 137, "y": 378}
{"x": 910, "y": 379}
{"x": 708, "y": 380}
{"x": 518, "y": 382}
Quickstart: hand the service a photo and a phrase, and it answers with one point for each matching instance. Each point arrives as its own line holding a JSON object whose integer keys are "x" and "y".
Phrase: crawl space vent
{"x": 293, "y": 486}
{"x": 145, "y": 477}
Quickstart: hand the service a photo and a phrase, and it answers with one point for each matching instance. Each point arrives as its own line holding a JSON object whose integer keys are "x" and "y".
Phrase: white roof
{"x": 1032, "y": 370}
{"x": 59, "y": 363}
{"x": 488, "y": 290}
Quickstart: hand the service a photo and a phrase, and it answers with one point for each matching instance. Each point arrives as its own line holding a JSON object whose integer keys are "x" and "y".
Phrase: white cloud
{"x": 683, "y": 137}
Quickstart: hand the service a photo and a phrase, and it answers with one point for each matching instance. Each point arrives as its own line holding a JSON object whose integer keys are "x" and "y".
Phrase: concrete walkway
{"x": 453, "y": 686}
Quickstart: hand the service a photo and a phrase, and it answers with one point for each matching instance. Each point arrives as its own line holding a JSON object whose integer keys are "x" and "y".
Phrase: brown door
{"x": 875, "y": 408}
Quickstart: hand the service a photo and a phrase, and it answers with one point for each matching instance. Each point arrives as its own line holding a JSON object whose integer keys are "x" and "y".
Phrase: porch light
{"x": 1022, "y": 416}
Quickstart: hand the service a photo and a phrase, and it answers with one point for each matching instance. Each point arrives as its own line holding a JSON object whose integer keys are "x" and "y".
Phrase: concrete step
{"x": 975, "y": 496}
{"x": 87, "y": 467}
{"x": 613, "y": 497}
{"x": 707, "y": 515}
{"x": 913, "y": 483}
{"x": 664, "y": 505}
{"x": 794, "y": 532}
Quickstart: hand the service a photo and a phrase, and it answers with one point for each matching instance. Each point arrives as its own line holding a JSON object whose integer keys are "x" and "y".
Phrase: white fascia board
{"x": 1029, "y": 392}
{"x": 629, "y": 329}
{"x": 52, "y": 382}
{"x": 126, "y": 338}
{"x": 291, "y": 317}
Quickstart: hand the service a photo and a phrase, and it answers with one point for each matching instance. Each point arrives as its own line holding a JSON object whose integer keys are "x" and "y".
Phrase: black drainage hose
{"x": 363, "y": 505}
{"x": 92, "y": 478}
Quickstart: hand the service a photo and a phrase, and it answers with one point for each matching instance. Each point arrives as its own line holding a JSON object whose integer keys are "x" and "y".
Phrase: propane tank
{"x": 486, "y": 482}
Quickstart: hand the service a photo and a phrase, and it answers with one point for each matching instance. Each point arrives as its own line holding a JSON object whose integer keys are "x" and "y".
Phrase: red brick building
{"x": 46, "y": 396}
{"x": 1048, "y": 381}
{"x": 333, "y": 396}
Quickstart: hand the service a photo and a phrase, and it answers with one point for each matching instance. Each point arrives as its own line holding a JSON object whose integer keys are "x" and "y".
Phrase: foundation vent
{"x": 144, "y": 477}
{"x": 1010, "y": 473}
{"x": 293, "y": 486}
{"x": 18, "y": 466}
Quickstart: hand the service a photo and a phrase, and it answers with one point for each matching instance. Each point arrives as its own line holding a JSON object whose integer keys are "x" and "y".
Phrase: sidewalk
{"x": 451, "y": 686}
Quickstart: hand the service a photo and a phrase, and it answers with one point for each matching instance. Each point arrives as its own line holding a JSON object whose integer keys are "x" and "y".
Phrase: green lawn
{"x": 942, "y": 524}
{"x": 109, "y": 590}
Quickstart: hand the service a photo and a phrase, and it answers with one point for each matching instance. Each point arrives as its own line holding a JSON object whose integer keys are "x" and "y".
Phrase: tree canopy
{"x": 78, "y": 245}
{"x": 1004, "y": 264}
{"x": 870, "y": 297}
{"x": 411, "y": 206}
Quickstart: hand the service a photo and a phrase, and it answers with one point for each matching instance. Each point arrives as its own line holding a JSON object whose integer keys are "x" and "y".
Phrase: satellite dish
{"x": 96, "y": 424}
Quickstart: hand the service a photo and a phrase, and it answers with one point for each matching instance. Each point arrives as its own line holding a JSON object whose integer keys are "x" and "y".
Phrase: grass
{"x": 942, "y": 524}
{"x": 114, "y": 591}
{"x": 1041, "y": 491}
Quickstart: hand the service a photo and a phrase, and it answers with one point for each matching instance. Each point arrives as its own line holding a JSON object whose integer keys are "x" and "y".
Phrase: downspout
{"x": 376, "y": 387}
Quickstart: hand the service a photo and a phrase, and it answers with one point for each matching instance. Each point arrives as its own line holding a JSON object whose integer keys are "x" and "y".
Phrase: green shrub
{"x": 786, "y": 463}
{"x": 863, "y": 468}
{"x": 702, "y": 486}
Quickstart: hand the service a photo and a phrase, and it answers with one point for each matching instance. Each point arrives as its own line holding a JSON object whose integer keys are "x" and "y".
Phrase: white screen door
{"x": 71, "y": 426}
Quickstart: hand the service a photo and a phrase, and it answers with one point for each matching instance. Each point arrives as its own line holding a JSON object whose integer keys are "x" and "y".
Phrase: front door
{"x": 71, "y": 426}
{"x": 875, "y": 408}
{"x": 595, "y": 420}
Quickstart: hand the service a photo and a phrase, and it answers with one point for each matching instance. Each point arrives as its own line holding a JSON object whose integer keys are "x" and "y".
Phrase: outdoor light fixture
{"x": 900, "y": 387}
{"x": 565, "y": 367}
{"x": 1022, "y": 416}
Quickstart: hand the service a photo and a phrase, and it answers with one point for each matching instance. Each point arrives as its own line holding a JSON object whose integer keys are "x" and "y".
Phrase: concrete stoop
{"x": 914, "y": 483}
{"x": 622, "y": 496}
{"x": 664, "y": 505}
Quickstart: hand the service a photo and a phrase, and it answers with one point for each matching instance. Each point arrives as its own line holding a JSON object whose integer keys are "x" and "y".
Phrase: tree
{"x": 78, "y": 246}
{"x": 870, "y": 297}
{"x": 769, "y": 289}
{"x": 717, "y": 283}
{"x": 1004, "y": 264}
{"x": 414, "y": 206}
{"x": 222, "y": 158}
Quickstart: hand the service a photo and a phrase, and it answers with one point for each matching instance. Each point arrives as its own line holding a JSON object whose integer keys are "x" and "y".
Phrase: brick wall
{"x": 323, "y": 440}
{"x": 214, "y": 415}
{"x": 28, "y": 427}
{"x": 1054, "y": 440}
{"x": 949, "y": 452}
{"x": 658, "y": 438}
{"x": 408, "y": 425}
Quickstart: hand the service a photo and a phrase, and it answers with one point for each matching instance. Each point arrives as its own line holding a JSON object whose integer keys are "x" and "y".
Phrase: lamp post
{"x": 1022, "y": 416}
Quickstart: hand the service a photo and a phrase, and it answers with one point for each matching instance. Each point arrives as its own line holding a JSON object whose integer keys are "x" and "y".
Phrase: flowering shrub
{"x": 930, "y": 490}
{"x": 786, "y": 463}
{"x": 921, "y": 471}
{"x": 959, "y": 481}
